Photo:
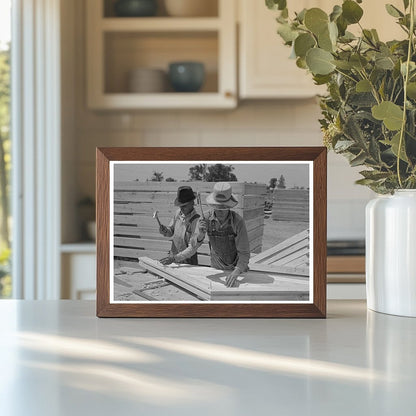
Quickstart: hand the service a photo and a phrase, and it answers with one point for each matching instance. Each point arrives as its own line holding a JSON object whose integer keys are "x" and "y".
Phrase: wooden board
{"x": 199, "y": 186}
{"x": 209, "y": 283}
{"x": 265, "y": 255}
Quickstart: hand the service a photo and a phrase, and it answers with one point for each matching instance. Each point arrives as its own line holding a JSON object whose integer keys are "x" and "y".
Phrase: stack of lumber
{"x": 291, "y": 205}
{"x": 136, "y": 232}
{"x": 292, "y": 253}
{"x": 209, "y": 284}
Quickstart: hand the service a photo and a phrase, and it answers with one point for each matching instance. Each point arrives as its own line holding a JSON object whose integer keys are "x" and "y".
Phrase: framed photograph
{"x": 211, "y": 232}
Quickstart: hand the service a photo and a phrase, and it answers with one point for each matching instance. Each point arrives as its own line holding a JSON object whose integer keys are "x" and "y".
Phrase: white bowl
{"x": 147, "y": 80}
{"x": 191, "y": 8}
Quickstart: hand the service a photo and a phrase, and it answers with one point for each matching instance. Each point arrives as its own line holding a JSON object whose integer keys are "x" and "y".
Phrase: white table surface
{"x": 57, "y": 358}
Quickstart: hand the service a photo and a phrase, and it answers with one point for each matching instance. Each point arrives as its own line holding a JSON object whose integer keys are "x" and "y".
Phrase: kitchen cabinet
{"x": 78, "y": 262}
{"x": 265, "y": 70}
{"x": 118, "y": 45}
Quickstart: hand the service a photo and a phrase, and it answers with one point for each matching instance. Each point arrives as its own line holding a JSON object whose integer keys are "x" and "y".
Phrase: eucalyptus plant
{"x": 369, "y": 111}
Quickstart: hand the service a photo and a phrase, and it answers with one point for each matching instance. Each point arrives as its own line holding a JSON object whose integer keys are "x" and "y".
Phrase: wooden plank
{"x": 143, "y": 295}
{"x": 121, "y": 282}
{"x": 300, "y": 262}
{"x": 284, "y": 244}
{"x": 254, "y": 223}
{"x": 288, "y": 259}
{"x": 286, "y": 270}
{"x": 152, "y": 245}
{"x": 168, "y": 274}
{"x": 125, "y": 263}
{"x": 211, "y": 282}
{"x": 252, "y": 201}
{"x": 255, "y": 243}
{"x": 135, "y": 253}
{"x": 197, "y": 186}
{"x": 255, "y": 233}
{"x": 286, "y": 252}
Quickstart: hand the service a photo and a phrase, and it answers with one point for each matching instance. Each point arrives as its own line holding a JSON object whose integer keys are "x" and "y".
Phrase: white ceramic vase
{"x": 391, "y": 253}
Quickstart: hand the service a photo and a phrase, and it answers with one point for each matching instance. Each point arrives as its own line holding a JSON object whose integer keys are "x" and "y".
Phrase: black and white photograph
{"x": 211, "y": 231}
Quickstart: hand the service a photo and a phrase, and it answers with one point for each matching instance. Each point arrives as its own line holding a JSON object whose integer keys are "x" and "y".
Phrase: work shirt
{"x": 228, "y": 242}
{"x": 182, "y": 228}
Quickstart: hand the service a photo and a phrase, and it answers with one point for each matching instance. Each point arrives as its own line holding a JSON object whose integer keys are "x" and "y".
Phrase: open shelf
{"x": 160, "y": 24}
{"x": 127, "y": 51}
{"x": 210, "y": 9}
{"x": 116, "y": 46}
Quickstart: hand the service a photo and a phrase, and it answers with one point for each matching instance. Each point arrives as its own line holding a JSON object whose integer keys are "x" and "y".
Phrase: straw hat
{"x": 222, "y": 196}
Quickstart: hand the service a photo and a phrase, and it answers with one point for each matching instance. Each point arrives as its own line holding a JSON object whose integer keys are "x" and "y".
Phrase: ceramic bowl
{"x": 186, "y": 76}
{"x": 191, "y": 8}
{"x": 147, "y": 80}
{"x": 135, "y": 8}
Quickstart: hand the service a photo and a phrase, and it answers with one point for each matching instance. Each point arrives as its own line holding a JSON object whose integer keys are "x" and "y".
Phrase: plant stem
{"x": 405, "y": 81}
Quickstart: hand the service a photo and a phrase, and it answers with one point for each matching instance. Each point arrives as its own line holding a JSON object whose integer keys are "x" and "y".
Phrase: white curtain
{"x": 36, "y": 148}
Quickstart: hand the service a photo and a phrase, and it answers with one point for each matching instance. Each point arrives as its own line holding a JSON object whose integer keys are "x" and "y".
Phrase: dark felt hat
{"x": 185, "y": 195}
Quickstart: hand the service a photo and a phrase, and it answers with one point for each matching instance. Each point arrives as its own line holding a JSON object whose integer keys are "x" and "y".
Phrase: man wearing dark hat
{"x": 227, "y": 233}
{"x": 181, "y": 229}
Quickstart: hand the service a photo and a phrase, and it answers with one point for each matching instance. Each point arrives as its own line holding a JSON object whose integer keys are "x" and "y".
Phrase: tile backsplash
{"x": 257, "y": 123}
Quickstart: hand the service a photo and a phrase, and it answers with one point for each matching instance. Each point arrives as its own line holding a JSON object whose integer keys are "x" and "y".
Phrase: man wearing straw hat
{"x": 227, "y": 233}
{"x": 181, "y": 229}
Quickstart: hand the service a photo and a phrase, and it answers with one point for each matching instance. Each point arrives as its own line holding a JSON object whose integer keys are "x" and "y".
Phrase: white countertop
{"x": 57, "y": 358}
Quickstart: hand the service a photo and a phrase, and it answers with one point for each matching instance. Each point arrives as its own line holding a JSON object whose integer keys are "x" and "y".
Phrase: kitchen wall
{"x": 253, "y": 123}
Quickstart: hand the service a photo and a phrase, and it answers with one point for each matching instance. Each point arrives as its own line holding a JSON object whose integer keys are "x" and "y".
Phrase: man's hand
{"x": 163, "y": 229}
{"x": 167, "y": 260}
{"x": 202, "y": 229}
{"x": 231, "y": 279}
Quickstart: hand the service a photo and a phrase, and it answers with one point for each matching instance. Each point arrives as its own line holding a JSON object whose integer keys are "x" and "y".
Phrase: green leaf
{"x": 358, "y": 160}
{"x": 303, "y": 43}
{"x": 351, "y": 11}
{"x": 344, "y": 65}
{"x": 301, "y": 63}
{"x": 347, "y": 37}
{"x": 374, "y": 175}
{"x": 358, "y": 61}
{"x": 363, "y": 86}
{"x": 316, "y": 20}
{"x": 406, "y": 4}
{"x": 384, "y": 62}
{"x": 375, "y": 35}
{"x": 287, "y": 33}
{"x": 325, "y": 42}
{"x": 391, "y": 114}
{"x": 393, "y": 11}
{"x": 301, "y": 15}
{"x": 411, "y": 90}
{"x": 319, "y": 61}
{"x": 321, "y": 79}
{"x": 343, "y": 145}
{"x": 336, "y": 12}
{"x": 276, "y": 4}
{"x": 394, "y": 143}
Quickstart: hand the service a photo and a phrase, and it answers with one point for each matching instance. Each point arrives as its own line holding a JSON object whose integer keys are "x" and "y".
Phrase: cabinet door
{"x": 266, "y": 71}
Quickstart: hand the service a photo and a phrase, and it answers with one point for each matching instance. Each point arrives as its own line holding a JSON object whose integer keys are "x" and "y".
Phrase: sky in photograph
{"x": 5, "y": 19}
{"x": 295, "y": 174}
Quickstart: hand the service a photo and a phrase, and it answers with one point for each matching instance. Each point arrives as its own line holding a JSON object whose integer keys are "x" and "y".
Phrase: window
{"x": 5, "y": 147}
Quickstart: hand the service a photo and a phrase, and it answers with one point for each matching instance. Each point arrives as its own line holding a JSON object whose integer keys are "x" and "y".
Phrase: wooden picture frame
{"x": 111, "y": 161}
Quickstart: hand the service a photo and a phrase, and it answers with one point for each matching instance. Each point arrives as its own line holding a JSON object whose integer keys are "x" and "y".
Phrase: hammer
{"x": 198, "y": 198}
{"x": 157, "y": 218}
